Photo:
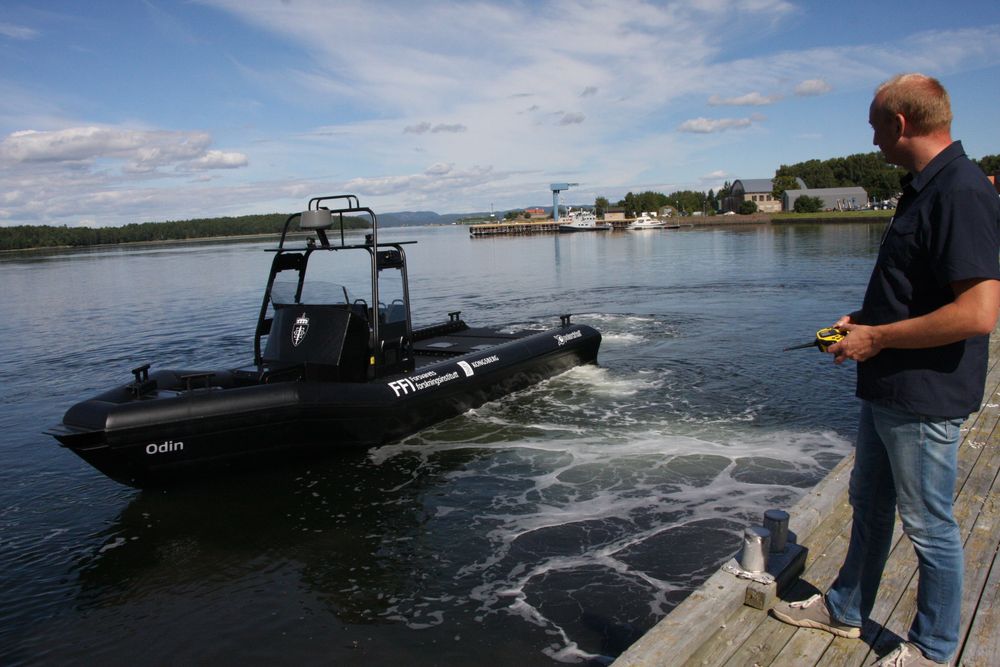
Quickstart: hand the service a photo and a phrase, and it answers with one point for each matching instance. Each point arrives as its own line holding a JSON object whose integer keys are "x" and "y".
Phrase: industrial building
{"x": 834, "y": 199}
{"x": 757, "y": 190}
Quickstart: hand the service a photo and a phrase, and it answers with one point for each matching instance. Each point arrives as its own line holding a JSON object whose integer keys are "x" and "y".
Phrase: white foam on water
{"x": 593, "y": 482}
{"x": 590, "y": 471}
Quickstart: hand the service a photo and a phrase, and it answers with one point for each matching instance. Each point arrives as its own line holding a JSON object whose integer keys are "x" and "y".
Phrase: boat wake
{"x": 591, "y": 499}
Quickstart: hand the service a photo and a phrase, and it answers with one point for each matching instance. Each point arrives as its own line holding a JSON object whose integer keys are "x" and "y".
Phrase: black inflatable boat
{"x": 329, "y": 370}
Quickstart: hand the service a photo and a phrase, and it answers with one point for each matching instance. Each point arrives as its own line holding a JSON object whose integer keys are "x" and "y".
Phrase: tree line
{"x": 45, "y": 236}
{"x": 870, "y": 171}
{"x": 682, "y": 201}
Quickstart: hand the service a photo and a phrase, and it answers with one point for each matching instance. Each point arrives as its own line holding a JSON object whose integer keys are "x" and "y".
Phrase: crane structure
{"x": 556, "y": 189}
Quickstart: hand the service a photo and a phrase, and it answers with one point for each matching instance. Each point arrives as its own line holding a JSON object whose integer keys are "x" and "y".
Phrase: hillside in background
{"x": 416, "y": 218}
{"x": 25, "y": 237}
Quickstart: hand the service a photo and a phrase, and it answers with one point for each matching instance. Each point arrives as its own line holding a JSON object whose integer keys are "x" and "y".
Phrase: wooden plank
{"x": 750, "y": 636}
{"x": 805, "y": 648}
{"x": 980, "y": 610}
{"x": 689, "y": 625}
{"x": 982, "y": 647}
{"x": 816, "y": 506}
{"x": 772, "y": 636}
{"x": 737, "y": 630}
{"x": 822, "y": 574}
{"x": 984, "y": 534}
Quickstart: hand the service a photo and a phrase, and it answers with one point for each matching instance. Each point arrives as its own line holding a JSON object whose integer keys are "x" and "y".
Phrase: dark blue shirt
{"x": 946, "y": 228}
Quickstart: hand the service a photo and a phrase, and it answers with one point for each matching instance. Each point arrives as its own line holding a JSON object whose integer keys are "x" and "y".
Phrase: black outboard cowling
{"x": 330, "y": 342}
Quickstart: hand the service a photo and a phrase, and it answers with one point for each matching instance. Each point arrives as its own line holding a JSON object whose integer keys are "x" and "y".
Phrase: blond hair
{"x": 919, "y": 98}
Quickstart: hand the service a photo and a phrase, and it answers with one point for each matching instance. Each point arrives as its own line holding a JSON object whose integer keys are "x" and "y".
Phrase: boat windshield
{"x": 313, "y": 292}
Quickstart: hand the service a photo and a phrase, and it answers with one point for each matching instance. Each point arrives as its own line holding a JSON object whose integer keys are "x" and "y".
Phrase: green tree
{"x": 630, "y": 203}
{"x": 634, "y": 204}
{"x": 42, "y": 236}
{"x": 990, "y": 164}
{"x": 880, "y": 179}
{"x": 782, "y": 183}
{"x": 601, "y": 206}
{"x": 688, "y": 201}
{"x": 807, "y": 204}
{"x": 747, "y": 207}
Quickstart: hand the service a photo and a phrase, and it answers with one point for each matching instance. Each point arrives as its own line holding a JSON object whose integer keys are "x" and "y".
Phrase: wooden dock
{"x": 712, "y": 626}
{"x": 513, "y": 227}
{"x": 517, "y": 228}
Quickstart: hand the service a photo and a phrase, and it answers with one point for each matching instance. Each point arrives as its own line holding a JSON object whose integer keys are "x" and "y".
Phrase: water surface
{"x": 555, "y": 525}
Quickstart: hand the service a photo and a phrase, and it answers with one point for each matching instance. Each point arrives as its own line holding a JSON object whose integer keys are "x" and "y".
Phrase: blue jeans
{"x": 907, "y": 461}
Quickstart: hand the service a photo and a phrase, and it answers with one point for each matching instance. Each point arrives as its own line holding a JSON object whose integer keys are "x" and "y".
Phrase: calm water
{"x": 553, "y": 526}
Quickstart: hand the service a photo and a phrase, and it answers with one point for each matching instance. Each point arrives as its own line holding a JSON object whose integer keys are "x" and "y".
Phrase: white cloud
{"x": 813, "y": 87}
{"x": 219, "y": 160}
{"x": 365, "y": 94}
{"x": 17, "y": 31}
{"x": 425, "y": 127}
{"x": 143, "y": 150}
{"x": 58, "y": 176}
{"x": 750, "y": 99}
{"x": 711, "y": 125}
{"x": 436, "y": 178}
{"x": 718, "y": 175}
{"x": 138, "y": 151}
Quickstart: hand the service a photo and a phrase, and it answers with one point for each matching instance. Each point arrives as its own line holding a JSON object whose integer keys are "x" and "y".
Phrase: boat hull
{"x": 170, "y": 434}
{"x": 568, "y": 229}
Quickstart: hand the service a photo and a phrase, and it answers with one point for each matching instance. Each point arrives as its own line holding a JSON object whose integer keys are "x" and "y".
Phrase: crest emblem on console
{"x": 300, "y": 329}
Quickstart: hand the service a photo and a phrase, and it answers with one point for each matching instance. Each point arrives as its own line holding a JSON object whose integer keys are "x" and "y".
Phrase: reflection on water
{"x": 557, "y": 524}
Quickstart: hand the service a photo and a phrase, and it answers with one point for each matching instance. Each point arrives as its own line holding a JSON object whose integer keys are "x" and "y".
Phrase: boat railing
{"x": 318, "y": 218}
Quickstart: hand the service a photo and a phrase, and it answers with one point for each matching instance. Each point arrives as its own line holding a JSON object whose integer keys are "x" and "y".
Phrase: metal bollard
{"x": 756, "y": 545}
{"x": 776, "y": 521}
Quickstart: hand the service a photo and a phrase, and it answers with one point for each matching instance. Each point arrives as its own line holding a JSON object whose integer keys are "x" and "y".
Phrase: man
{"x": 921, "y": 343}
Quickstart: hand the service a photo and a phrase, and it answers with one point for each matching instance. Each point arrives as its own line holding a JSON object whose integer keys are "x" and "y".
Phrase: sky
{"x": 113, "y": 112}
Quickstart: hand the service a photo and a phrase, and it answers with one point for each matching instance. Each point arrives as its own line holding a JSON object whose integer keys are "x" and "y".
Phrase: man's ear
{"x": 900, "y": 125}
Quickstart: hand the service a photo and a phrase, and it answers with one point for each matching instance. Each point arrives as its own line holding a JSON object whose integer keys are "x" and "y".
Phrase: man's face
{"x": 886, "y": 130}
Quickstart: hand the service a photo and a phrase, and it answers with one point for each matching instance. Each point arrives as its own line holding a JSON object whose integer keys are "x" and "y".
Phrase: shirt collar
{"x": 920, "y": 180}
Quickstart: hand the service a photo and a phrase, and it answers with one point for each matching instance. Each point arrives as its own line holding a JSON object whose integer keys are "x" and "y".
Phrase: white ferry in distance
{"x": 582, "y": 221}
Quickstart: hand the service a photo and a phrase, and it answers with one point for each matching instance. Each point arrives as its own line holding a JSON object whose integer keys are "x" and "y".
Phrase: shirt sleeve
{"x": 966, "y": 239}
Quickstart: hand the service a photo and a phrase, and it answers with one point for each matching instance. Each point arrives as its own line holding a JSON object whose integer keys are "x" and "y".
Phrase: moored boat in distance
{"x": 330, "y": 370}
{"x": 646, "y": 222}
{"x": 582, "y": 221}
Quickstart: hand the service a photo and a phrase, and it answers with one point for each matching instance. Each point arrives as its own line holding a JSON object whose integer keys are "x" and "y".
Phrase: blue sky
{"x": 118, "y": 112}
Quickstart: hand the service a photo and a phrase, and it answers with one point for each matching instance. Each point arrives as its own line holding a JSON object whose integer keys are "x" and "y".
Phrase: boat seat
{"x": 360, "y": 308}
{"x": 330, "y": 341}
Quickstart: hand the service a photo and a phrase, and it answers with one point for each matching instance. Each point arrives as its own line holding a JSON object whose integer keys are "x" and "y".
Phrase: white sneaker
{"x": 813, "y": 613}
{"x": 907, "y": 655}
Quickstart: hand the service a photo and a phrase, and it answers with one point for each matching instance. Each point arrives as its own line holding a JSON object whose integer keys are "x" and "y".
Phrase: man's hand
{"x": 860, "y": 342}
{"x": 973, "y": 312}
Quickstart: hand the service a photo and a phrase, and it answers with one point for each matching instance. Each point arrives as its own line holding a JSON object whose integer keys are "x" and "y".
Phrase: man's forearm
{"x": 972, "y": 313}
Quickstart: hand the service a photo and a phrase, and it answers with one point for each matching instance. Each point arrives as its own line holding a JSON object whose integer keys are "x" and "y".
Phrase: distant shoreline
{"x": 788, "y": 218}
{"x": 688, "y": 221}
{"x": 130, "y": 244}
